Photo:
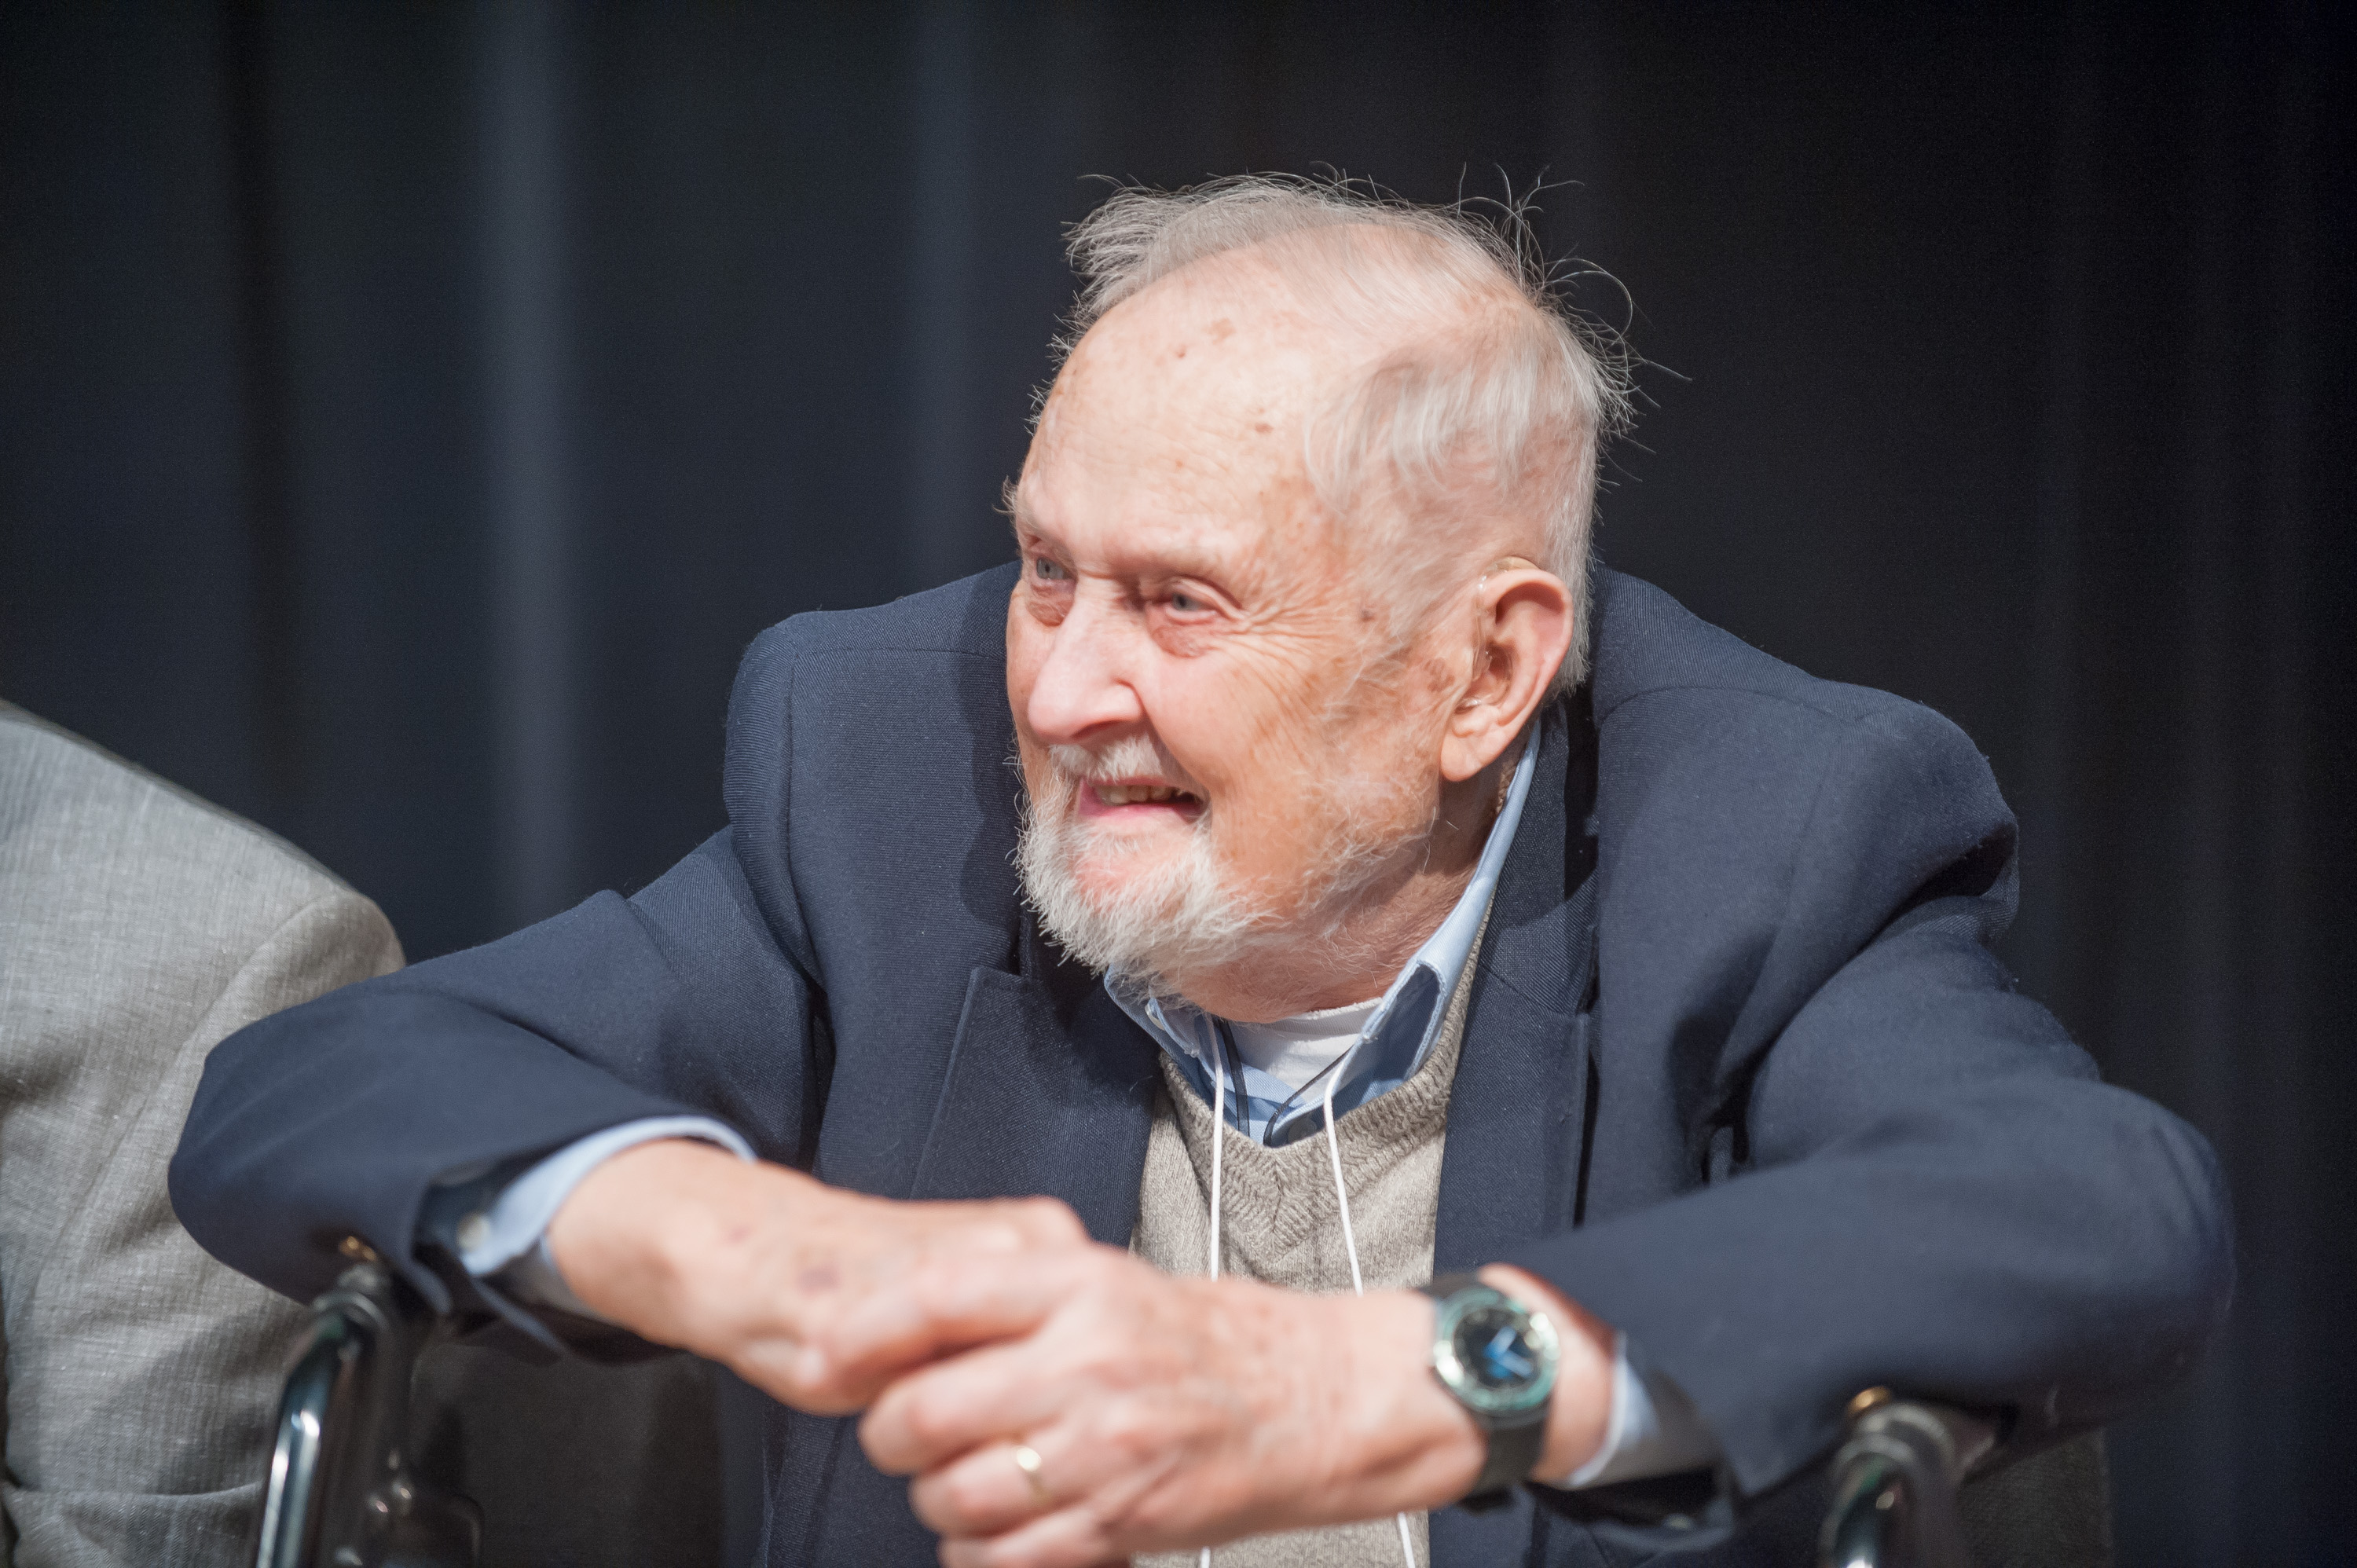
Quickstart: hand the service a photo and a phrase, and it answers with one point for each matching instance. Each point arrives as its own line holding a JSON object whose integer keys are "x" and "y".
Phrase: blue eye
{"x": 1047, "y": 571}
{"x": 1185, "y": 603}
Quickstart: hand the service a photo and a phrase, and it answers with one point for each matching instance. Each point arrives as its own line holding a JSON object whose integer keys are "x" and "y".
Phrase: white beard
{"x": 1187, "y": 915}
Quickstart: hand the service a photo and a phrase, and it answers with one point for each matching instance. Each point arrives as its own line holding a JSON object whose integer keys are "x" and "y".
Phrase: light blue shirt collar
{"x": 1397, "y": 1038}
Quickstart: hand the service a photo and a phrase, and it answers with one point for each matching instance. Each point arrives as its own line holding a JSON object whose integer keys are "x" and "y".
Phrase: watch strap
{"x": 1513, "y": 1454}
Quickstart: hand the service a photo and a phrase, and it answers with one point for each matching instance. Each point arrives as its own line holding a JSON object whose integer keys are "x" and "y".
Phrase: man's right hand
{"x": 817, "y": 1296}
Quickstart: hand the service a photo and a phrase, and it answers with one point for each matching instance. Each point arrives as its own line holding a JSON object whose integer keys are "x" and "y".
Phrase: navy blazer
{"x": 1742, "y": 1073}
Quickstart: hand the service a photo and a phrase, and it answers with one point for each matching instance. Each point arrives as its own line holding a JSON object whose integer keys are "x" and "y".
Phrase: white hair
{"x": 1491, "y": 399}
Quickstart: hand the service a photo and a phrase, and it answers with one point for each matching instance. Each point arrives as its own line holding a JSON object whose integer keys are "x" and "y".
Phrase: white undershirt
{"x": 1299, "y": 1049}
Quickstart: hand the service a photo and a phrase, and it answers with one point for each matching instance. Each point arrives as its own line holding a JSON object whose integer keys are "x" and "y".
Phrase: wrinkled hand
{"x": 815, "y": 1295}
{"x": 1165, "y": 1412}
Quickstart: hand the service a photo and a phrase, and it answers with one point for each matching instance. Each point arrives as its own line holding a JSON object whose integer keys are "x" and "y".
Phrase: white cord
{"x": 1341, "y": 1198}
{"x": 1349, "y": 1246}
{"x": 1219, "y": 1138}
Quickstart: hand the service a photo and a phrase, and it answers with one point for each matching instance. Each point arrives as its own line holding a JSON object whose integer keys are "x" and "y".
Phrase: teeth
{"x": 1136, "y": 794}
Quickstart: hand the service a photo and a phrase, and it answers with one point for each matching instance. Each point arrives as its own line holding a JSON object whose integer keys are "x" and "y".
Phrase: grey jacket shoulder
{"x": 56, "y": 787}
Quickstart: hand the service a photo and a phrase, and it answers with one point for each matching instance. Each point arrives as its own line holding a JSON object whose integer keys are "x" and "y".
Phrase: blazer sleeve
{"x": 335, "y": 1119}
{"x": 1914, "y": 1178}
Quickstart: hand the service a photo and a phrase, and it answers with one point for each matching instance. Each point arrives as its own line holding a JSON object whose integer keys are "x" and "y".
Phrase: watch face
{"x": 1494, "y": 1351}
{"x": 1497, "y": 1356}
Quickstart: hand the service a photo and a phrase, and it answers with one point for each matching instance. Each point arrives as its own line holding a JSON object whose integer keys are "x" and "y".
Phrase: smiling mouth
{"x": 1097, "y": 797}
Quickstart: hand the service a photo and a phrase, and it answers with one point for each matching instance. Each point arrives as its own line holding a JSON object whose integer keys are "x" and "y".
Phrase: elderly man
{"x": 1378, "y": 896}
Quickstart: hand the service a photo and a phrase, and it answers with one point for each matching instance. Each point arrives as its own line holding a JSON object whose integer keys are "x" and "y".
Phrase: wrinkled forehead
{"x": 1221, "y": 350}
{"x": 1183, "y": 411}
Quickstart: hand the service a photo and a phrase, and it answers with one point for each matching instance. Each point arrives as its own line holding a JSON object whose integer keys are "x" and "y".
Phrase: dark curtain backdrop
{"x": 408, "y": 413}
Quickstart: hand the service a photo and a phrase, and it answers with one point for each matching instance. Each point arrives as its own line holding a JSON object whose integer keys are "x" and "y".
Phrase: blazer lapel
{"x": 1518, "y": 1126}
{"x": 1049, "y": 1091}
{"x": 1516, "y": 1115}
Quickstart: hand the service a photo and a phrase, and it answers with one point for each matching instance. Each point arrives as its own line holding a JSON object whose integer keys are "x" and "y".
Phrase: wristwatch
{"x": 1497, "y": 1358}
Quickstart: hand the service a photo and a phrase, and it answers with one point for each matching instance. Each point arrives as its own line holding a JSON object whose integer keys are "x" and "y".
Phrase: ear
{"x": 1522, "y": 625}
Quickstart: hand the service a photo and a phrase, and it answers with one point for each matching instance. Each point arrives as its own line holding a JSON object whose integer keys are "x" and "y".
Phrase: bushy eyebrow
{"x": 1010, "y": 505}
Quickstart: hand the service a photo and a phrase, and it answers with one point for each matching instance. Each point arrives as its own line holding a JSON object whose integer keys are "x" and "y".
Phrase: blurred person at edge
{"x": 138, "y": 926}
{"x": 1380, "y": 892}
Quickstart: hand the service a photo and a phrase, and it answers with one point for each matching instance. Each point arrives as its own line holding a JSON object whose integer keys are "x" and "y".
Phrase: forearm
{"x": 686, "y": 1245}
{"x": 332, "y": 1121}
{"x": 814, "y": 1295}
{"x": 638, "y": 1233}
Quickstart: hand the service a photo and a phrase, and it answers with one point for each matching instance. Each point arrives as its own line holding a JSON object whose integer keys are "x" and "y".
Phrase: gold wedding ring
{"x": 1027, "y": 1459}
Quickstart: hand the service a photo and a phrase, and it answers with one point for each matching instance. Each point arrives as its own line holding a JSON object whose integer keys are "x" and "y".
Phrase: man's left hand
{"x": 1145, "y": 1412}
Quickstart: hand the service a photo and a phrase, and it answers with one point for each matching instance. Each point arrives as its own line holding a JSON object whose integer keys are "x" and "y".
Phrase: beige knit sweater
{"x": 1279, "y": 1223}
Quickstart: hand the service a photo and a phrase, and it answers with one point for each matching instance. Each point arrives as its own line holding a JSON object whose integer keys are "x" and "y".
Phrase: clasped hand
{"x": 1056, "y": 1402}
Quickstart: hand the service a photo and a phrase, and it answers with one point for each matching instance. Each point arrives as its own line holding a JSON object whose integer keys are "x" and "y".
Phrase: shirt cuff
{"x": 507, "y": 1237}
{"x": 1654, "y": 1429}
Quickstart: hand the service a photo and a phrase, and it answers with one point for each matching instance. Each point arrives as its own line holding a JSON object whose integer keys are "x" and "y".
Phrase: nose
{"x": 1082, "y": 694}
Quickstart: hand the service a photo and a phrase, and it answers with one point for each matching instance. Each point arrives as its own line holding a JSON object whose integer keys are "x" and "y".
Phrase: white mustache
{"x": 1132, "y": 757}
